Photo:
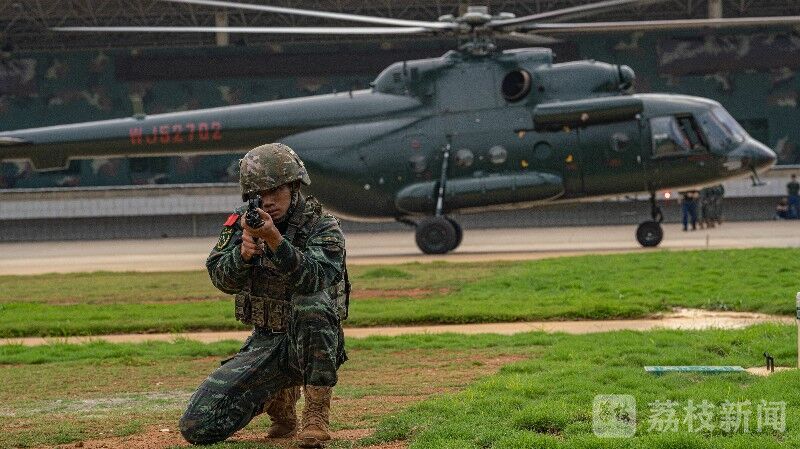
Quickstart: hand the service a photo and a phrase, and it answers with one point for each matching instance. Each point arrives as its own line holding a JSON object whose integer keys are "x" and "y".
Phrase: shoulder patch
{"x": 232, "y": 219}
{"x": 224, "y": 237}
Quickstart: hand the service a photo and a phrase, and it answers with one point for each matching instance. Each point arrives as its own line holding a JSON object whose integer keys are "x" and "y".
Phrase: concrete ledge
{"x": 208, "y": 224}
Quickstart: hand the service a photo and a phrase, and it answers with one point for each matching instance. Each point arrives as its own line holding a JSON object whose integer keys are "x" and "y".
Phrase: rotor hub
{"x": 476, "y": 16}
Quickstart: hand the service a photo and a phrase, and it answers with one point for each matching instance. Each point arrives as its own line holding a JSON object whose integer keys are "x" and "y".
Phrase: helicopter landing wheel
{"x": 459, "y": 233}
{"x": 436, "y": 235}
{"x": 649, "y": 234}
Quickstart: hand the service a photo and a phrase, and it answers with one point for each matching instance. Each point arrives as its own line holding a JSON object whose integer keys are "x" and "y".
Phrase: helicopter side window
{"x": 692, "y": 132}
{"x": 668, "y": 137}
{"x": 498, "y": 154}
{"x": 464, "y": 158}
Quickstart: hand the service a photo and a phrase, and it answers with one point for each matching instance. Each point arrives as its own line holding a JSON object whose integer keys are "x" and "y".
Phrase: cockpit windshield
{"x": 722, "y": 129}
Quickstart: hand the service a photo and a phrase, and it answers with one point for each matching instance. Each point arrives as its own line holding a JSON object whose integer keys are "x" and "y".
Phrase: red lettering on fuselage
{"x": 152, "y": 138}
{"x": 177, "y": 133}
{"x": 202, "y": 131}
{"x": 163, "y": 132}
{"x": 136, "y": 136}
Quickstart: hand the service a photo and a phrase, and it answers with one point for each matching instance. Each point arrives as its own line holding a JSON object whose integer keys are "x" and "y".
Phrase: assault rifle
{"x": 253, "y": 219}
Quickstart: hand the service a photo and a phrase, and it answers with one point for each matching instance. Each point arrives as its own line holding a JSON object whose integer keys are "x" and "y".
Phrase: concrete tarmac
{"x": 181, "y": 254}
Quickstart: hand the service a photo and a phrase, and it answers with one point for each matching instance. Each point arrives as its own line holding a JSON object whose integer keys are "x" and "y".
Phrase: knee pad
{"x": 195, "y": 432}
{"x": 210, "y": 423}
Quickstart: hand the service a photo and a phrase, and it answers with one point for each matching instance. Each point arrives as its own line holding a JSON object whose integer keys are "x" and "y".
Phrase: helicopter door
{"x": 612, "y": 160}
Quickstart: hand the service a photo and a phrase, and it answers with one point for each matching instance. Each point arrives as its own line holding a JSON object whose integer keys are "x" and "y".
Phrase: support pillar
{"x": 221, "y": 20}
{"x": 714, "y": 9}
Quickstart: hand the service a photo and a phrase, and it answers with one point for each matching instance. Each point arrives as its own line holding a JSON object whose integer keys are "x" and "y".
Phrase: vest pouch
{"x": 269, "y": 313}
{"x": 279, "y": 313}
{"x": 259, "y": 314}
{"x": 243, "y": 308}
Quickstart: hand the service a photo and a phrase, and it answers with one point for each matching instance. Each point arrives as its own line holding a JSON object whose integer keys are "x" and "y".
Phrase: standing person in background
{"x": 719, "y": 194}
{"x": 711, "y": 206}
{"x": 689, "y": 209}
{"x": 793, "y": 193}
{"x": 707, "y": 208}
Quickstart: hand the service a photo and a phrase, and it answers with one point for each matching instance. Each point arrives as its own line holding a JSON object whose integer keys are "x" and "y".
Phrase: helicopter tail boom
{"x": 219, "y": 130}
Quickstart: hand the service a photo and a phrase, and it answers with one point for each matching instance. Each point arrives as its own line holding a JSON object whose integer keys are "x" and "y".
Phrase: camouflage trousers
{"x": 242, "y": 387}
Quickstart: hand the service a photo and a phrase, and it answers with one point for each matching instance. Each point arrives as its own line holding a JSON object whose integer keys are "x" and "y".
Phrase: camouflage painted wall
{"x": 751, "y": 74}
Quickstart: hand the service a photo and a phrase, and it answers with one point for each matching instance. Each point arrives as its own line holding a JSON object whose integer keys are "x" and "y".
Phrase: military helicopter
{"x": 473, "y": 130}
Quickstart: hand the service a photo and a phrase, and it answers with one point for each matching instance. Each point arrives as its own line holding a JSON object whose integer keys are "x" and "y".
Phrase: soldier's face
{"x": 276, "y": 202}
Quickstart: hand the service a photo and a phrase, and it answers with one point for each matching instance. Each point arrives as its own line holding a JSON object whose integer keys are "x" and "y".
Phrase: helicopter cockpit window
{"x": 722, "y": 130}
{"x": 668, "y": 137}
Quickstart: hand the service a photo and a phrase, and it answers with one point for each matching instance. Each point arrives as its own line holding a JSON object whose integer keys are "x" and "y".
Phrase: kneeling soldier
{"x": 289, "y": 278}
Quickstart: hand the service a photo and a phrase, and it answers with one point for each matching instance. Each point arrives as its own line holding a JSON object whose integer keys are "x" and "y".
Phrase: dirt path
{"x": 679, "y": 319}
{"x": 388, "y": 382}
{"x": 169, "y": 437}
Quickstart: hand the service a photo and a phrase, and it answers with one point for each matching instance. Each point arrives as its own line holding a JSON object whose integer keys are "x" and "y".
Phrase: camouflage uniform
{"x": 299, "y": 341}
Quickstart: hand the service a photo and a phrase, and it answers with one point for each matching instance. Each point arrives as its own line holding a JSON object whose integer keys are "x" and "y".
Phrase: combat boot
{"x": 315, "y": 432}
{"x": 283, "y": 413}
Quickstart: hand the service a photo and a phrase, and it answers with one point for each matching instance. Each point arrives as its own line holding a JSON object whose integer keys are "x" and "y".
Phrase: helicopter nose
{"x": 761, "y": 156}
{"x": 755, "y": 155}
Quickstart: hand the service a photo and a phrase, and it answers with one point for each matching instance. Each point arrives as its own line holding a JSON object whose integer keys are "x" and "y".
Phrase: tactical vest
{"x": 266, "y": 300}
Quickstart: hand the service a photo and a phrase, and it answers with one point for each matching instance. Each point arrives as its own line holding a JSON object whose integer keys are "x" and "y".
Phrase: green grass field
{"x": 433, "y": 391}
{"x": 546, "y": 402}
{"x": 587, "y": 287}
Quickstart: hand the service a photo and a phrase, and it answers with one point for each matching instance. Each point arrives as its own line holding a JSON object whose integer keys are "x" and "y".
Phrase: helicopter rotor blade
{"x": 319, "y": 14}
{"x": 572, "y": 12}
{"x": 528, "y": 39}
{"x": 651, "y": 25}
{"x": 252, "y": 30}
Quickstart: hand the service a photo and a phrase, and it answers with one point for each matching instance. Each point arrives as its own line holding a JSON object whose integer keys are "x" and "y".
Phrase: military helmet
{"x": 269, "y": 166}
